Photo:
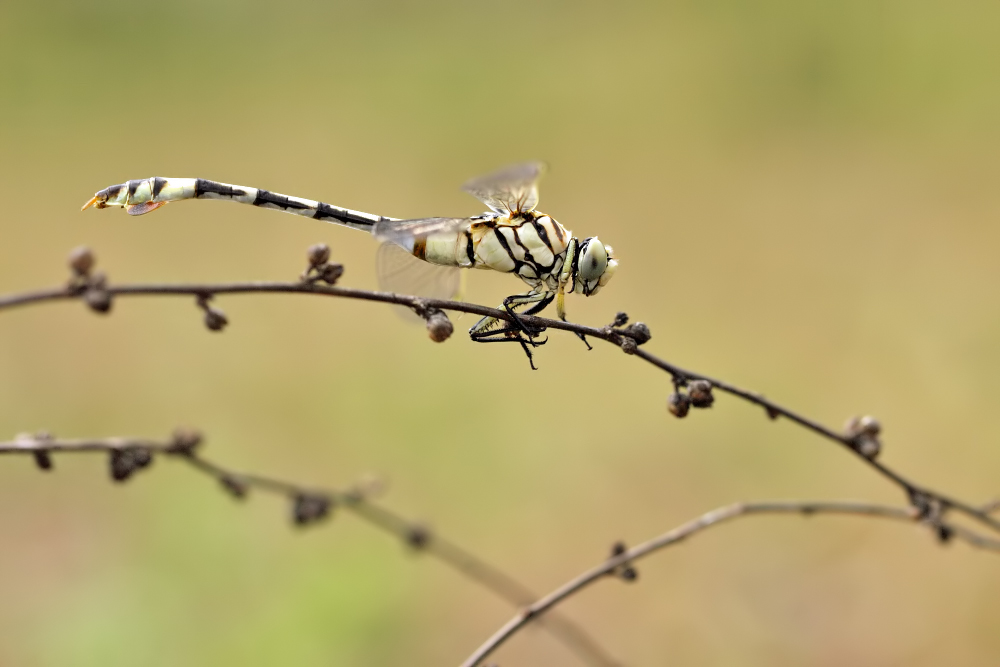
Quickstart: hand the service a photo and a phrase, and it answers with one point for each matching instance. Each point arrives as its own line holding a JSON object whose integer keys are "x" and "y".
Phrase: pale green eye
{"x": 593, "y": 260}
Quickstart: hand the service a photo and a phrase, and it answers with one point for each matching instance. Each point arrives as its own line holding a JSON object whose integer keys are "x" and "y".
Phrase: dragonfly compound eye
{"x": 595, "y": 265}
{"x": 593, "y": 260}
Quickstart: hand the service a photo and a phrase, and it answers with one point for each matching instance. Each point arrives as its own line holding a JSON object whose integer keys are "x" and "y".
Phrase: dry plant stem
{"x": 919, "y": 495}
{"x": 532, "y": 612}
{"x": 413, "y": 535}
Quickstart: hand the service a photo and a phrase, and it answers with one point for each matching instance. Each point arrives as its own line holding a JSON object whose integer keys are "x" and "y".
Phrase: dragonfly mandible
{"x": 512, "y": 237}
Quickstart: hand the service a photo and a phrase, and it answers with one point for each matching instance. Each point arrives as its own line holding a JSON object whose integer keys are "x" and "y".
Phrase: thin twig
{"x": 309, "y": 505}
{"x": 93, "y": 289}
{"x": 624, "y": 558}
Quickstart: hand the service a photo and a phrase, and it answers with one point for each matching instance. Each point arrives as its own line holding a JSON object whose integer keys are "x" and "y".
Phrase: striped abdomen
{"x": 142, "y": 196}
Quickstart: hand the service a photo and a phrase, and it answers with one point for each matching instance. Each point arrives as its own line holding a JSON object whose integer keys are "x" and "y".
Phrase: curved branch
{"x": 309, "y": 505}
{"x": 94, "y": 290}
{"x": 621, "y": 561}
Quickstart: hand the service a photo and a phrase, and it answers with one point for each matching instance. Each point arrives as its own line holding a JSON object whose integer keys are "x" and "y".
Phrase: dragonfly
{"x": 511, "y": 237}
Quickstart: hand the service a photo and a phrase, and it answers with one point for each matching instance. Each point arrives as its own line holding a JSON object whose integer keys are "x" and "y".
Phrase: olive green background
{"x": 803, "y": 196}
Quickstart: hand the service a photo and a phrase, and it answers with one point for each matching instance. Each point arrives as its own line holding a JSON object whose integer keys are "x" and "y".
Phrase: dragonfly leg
{"x": 561, "y": 311}
{"x": 510, "y": 335}
{"x": 578, "y": 335}
{"x": 538, "y": 302}
{"x": 494, "y": 330}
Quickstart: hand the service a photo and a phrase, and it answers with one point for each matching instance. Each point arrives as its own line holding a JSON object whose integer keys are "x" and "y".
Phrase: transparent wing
{"x": 402, "y": 231}
{"x": 399, "y": 271}
{"x": 511, "y": 190}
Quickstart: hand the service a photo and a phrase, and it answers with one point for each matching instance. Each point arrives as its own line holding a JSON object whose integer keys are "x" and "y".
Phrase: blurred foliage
{"x": 803, "y": 198}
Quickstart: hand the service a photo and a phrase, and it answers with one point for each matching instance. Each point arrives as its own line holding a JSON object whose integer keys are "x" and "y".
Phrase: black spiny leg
{"x": 510, "y": 335}
{"x": 516, "y": 330}
{"x": 578, "y": 334}
{"x": 511, "y": 302}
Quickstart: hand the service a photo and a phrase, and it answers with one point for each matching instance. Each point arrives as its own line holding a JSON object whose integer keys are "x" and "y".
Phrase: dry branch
{"x": 691, "y": 389}
{"x": 622, "y": 559}
{"x": 309, "y": 505}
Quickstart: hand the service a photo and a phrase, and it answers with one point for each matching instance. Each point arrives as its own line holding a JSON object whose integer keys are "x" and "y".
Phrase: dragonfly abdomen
{"x": 147, "y": 194}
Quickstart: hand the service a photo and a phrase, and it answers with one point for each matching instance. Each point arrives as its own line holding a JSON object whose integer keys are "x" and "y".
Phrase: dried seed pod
{"x": 418, "y": 536}
{"x": 628, "y": 345}
{"x": 236, "y": 487}
{"x": 42, "y": 459}
{"x": 141, "y": 456}
{"x": 309, "y": 508}
{"x": 331, "y": 273}
{"x": 439, "y": 327}
{"x": 215, "y": 319}
{"x": 678, "y": 404}
{"x": 626, "y": 572}
{"x": 867, "y": 445}
{"x": 638, "y": 331}
{"x": 98, "y": 300}
{"x": 318, "y": 255}
{"x": 863, "y": 433}
{"x": 621, "y": 319}
{"x": 700, "y": 393}
{"x": 122, "y": 464}
{"x": 869, "y": 425}
{"x": 81, "y": 261}
{"x": 184, "y": 442}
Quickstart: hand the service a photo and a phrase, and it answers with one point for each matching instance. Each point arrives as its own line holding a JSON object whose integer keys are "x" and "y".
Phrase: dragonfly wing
{"x": 402, "y": 232}
{"x": 511, "y": 190}
{"x": 399, "y": 271}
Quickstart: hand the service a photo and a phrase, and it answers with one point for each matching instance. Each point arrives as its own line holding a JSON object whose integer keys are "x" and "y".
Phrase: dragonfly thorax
{"x": 531, "y": 245}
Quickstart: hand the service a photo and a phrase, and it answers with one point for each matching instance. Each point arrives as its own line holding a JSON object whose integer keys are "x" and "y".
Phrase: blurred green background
{"x": 803, "y": 196}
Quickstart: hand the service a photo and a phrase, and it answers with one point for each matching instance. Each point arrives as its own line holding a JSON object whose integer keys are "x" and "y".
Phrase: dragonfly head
{"x": 595, "y": 266}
